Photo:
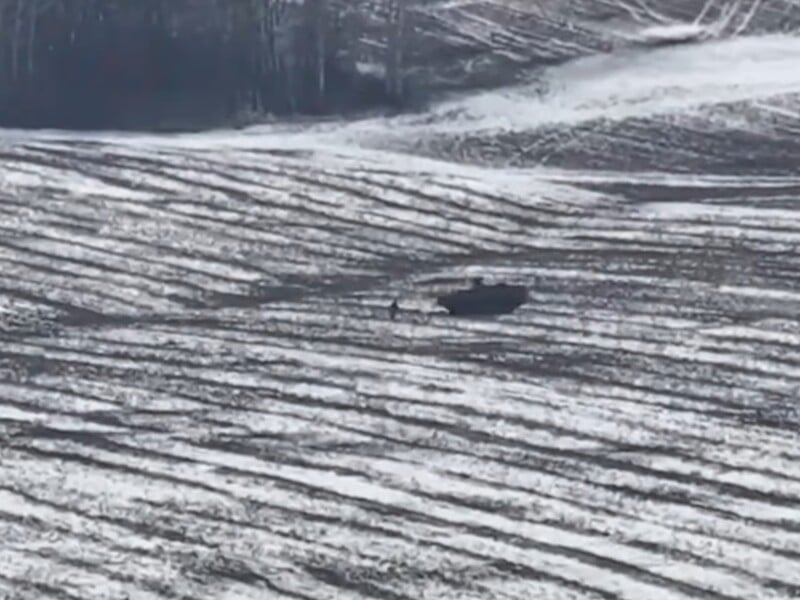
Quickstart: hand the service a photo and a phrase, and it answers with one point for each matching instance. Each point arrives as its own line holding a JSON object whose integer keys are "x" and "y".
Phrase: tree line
{"x": 184, "y": 64}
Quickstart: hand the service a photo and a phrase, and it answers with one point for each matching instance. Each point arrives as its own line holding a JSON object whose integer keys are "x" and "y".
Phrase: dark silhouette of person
{"x": 393, "y": 308}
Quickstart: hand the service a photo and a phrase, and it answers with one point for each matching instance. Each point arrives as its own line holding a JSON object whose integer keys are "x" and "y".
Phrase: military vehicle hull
{"x": 484, "y": 300}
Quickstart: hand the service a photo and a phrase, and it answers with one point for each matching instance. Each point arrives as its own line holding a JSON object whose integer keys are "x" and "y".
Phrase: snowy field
{"x": 202, "y": 396}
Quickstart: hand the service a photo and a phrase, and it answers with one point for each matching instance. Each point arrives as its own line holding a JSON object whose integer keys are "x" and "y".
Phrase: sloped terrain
{"x": 202, "y": 395}
{"x": 486, "y": 42}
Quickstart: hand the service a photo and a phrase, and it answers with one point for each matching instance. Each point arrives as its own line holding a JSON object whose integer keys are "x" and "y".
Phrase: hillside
{"x": 202, "y": 394}
{"x": 485, "y": 42}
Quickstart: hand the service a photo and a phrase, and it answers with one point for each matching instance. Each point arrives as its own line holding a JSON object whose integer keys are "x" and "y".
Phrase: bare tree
{"x": 36, "y": 10}
{"x": 395, "y": 48}
{"x": 16, "y": 39}
{"x": 320, "y": 22}
{"x": 5, "y": 6}
{"x": 312, "y": 55}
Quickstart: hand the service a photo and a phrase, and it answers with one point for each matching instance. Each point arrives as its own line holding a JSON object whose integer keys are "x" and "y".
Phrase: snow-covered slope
{"x": 202, "y": 396}
{"x": 487, "y": 41}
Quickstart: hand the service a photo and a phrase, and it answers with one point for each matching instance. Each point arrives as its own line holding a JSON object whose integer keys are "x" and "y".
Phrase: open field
{"x": 202, "y": 396}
